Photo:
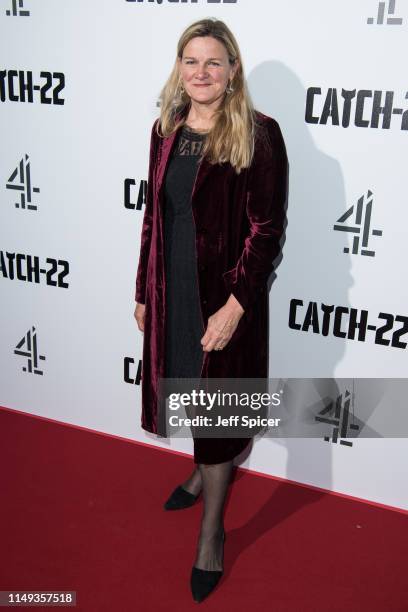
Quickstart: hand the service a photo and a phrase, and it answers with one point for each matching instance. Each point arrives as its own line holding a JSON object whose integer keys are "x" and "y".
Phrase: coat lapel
{"x": 164, "y": 156}
{"x": 204, "y": 168}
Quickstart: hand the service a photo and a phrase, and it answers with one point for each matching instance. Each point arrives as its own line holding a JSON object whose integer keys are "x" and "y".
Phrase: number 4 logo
{"x": 381, "y": 12}
{"x": 361, "y": 228}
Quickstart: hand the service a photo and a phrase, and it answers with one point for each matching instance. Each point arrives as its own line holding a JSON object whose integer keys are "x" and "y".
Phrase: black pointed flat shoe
{"x": 203, "y": 582}
{"x": 179, "y": 499}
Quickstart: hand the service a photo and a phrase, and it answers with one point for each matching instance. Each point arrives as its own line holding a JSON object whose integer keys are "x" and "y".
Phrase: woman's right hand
{"x": 140, "y": 315}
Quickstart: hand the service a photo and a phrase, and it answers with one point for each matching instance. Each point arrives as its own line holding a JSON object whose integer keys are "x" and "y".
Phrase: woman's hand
{"x": 222, "y": 324}
{"x": 140, "y": 315}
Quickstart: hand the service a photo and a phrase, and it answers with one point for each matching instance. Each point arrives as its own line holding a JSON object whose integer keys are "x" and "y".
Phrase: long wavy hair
{"x": 232, "y": 136}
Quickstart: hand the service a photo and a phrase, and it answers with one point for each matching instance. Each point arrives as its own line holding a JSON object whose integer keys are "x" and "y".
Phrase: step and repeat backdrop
{"x": 79, "y": 82}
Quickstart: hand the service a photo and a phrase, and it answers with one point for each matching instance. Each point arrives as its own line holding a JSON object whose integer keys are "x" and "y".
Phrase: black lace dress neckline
{"x": 190, "y": 132}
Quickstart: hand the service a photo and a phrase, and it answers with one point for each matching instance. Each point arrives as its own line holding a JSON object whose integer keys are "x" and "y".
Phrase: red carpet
{"x": 83, "y": 511}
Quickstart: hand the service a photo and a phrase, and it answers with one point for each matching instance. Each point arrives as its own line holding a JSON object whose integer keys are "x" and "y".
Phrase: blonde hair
{"x": 232, "y": 137}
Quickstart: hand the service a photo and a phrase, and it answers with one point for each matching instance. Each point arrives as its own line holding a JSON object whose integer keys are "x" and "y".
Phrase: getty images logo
{"x": 20, "y": 181}
{"x": 381, "y": 14}
{"x": 362, "y": 211}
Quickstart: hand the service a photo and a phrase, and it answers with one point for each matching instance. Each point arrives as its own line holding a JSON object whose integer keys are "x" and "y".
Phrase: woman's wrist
{"x": 233, "y": 304}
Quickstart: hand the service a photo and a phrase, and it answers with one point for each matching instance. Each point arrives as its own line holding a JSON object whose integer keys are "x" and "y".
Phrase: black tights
{"x": 213, "y": 480}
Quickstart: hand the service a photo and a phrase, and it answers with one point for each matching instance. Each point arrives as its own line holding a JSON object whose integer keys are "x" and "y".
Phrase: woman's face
{"x": 205, "y": 70}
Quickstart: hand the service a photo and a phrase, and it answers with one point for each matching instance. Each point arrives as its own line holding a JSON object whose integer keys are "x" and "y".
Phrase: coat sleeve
{"x": 146, "y": 233}
{"x": 265, "y": 208}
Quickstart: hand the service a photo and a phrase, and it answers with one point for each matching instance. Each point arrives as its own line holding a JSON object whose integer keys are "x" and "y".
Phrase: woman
{"x": 215, "y": 211}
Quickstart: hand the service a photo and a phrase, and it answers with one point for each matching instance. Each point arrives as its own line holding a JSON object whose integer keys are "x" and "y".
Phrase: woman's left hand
{"x": 222, "y": 324}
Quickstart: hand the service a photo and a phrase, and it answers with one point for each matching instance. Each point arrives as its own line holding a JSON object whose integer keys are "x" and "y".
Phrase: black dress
{"x": 184, "y": 325}
{"x": 184, "y": 328}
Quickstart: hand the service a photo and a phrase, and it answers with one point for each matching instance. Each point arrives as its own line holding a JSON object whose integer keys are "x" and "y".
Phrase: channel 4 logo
{"x": 27, "y": 347}
{"x": 339, "y": 415}
{"x": 17, "y": 9}
{"x": 20, "y": 181}
{"x": 361, "y": 229}
{"x": 381, "y": 20}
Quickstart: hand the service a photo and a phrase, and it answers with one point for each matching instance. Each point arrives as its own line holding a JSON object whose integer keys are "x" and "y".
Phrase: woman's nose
{"x": 202, "y": 71}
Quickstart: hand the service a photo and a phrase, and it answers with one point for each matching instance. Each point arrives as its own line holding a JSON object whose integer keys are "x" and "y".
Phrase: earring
{"x": 182, "y": 90}
{"x": 229, "y": 89}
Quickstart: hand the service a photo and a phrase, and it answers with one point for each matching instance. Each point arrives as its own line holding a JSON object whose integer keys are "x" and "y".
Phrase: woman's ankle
{"x": 210, "y": 549}
{"x": 193, "y": 484}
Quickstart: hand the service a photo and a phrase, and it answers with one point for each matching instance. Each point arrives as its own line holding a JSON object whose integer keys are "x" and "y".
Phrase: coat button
{"x": 202, "y": 268}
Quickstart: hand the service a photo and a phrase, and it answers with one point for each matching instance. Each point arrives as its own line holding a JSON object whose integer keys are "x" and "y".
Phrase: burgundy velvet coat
{"x": 239, "y": 221}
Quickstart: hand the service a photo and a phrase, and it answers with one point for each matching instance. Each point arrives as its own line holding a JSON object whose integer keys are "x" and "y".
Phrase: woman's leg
{"x": 193, "y": 484}
{"x": 215, "y": 481}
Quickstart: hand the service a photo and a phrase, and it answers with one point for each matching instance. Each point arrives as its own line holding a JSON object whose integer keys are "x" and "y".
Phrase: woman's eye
{"x": 193, "y": 62}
